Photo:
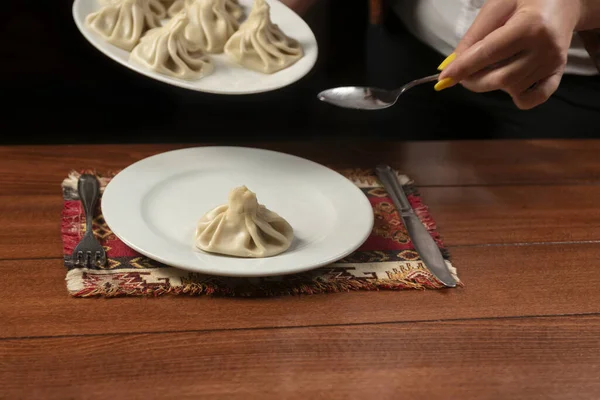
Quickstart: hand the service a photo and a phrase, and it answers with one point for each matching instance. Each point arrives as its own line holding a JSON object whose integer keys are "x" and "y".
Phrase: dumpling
{"x": 177, "y": 6}
{"x": 210, "y": 24}
{"x": 260, "y": 45}
{"x": 157, "y": 7}
{"x": 122, "y": 22}
{"x": 119, "y": 23}
{"x": 167, "y": 51}
{"x": 243, "y": 228}
{"x": 232, "y": 7}
{"x": 107, "y": 2}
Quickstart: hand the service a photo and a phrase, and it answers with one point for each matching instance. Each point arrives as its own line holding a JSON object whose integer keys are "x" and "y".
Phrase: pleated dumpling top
{"x": 123, "y": 22}
{"x": 167, "y": 51}
{"x": 211, "y": 25}
{"x": 243, "y": 228}
{"x": 260, "y": 45}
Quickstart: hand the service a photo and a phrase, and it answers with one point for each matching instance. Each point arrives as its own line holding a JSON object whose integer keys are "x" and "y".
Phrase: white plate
{"x": 227, "y": 78}
{"x": 153, "y": 206}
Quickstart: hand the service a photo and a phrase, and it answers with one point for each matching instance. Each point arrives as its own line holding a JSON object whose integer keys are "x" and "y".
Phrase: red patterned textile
{"x": 386, "y": 261}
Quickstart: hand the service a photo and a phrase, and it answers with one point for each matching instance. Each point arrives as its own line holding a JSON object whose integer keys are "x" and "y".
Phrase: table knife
{"x": 424, "y": 244}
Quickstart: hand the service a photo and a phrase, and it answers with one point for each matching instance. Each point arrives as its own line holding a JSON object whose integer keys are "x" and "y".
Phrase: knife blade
{"x": 424, "y": 244}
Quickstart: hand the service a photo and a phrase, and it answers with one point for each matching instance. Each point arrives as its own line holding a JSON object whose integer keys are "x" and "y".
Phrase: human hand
{"x": 517, "y": 46}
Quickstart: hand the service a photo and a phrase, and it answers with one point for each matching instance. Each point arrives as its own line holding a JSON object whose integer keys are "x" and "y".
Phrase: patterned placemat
{"x": 386, "y": 261}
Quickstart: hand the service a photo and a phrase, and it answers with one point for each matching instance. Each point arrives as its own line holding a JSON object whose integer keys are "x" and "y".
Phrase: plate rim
{"x": 250, "y": 273}
{"x": 185, "y": 84}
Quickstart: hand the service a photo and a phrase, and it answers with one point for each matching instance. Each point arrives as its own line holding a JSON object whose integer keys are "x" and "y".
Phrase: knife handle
{"x": 388, "y": 177}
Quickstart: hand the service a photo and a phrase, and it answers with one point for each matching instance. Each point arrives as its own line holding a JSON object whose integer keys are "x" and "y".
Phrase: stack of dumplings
{"x": 194, "y": 30}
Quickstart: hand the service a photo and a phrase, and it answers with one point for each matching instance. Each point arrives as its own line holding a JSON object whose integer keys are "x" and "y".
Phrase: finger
{"x": 503, "y": 43}
{"x": 509, "y": 74}
{"x": 531, "y": 81}
{"x": 539, "y": 94}
{"x": 492, "y": 16}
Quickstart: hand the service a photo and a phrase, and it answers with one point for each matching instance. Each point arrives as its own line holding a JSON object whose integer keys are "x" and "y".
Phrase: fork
{"x": 89, "y": 252}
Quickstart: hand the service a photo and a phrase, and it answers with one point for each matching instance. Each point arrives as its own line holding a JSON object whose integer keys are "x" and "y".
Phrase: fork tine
{"x": 98, "y": 258}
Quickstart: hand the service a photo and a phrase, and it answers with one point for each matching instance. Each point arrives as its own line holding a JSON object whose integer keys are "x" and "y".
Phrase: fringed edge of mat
{"x": 273, "y": 289}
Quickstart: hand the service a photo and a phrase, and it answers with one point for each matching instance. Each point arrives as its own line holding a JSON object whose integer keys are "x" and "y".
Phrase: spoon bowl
{"x": 362, "y": 98}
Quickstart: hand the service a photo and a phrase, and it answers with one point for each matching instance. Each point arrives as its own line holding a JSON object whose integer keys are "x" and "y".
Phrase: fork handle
{"x": 88, "y": 188}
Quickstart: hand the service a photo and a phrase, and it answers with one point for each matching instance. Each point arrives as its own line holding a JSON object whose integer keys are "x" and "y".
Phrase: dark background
{"x": 58, "y": 88}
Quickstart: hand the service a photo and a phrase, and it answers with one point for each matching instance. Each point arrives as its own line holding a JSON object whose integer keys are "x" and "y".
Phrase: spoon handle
{"x": 409, "y": 85}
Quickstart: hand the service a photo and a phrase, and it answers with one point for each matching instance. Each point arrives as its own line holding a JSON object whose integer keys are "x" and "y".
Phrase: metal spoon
{"x": 368, "y": 98}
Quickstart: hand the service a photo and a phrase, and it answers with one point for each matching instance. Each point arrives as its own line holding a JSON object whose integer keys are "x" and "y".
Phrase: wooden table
{"x": 521, "y": 219}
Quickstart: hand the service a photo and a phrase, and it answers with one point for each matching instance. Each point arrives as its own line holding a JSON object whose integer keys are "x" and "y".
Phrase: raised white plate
{"x": 154, "y": 204}
{"x": 227, "y": 78}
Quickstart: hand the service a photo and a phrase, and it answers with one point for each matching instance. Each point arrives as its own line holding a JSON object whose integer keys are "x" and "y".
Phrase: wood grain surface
{"x": 524, "y": 359}
{"x": 500, "y": 281}
{"x": 523, "y": 227}
{"x": 37, "y": 169}
{"x": 467, "y": 216}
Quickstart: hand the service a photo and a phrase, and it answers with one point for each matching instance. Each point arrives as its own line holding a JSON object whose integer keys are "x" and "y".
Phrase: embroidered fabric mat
{"x": 386, "y": 261}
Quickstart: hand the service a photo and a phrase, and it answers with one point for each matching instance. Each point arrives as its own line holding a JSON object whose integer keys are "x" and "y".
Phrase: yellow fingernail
{"x": 443, "y": 84}
{"x": 447, "y": 61}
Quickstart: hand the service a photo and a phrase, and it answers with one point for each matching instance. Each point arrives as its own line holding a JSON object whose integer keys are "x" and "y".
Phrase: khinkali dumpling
{"x": 243, "y": 228}
{"x": 122, "y": 22}
{"x": 167, "y": 51}
{"x": 210, "y": 24}
{"x": 177, "y": 6}
{"x": 260, "y": 45}
{"x": 157, "y": 7}
{"x": 232, "y": 7}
